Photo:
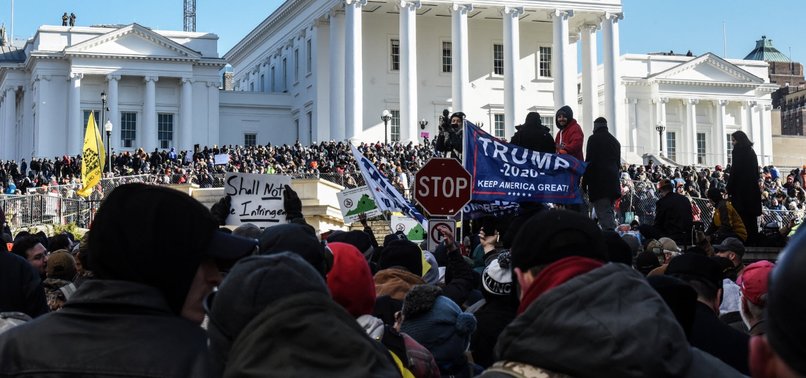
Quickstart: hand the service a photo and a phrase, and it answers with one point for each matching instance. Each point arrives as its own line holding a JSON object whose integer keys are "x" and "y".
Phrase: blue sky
{"x": 648, "y": 25}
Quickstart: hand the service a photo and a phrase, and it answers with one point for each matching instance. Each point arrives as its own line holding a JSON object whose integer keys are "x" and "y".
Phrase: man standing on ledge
{"x": 570, "y": 137}
{"x": 601, "y": 179}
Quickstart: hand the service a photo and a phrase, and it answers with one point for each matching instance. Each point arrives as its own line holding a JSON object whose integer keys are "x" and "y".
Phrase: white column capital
{"x": 335, "y": 12}
{"x": 355, "y": 3}
{"x": 112, "y": 77}
{"x": 513, "y": 12}
{"x": 613, "y": 16}
{"x": 42, "y": 77}
{"x": 590, "y": 28}
{"x": 750, "y": 103}
{"x": 462, "y": 8}
{"x": 721, "y": 102}
{"x": 693, "y": 101}
{"x": 213, "y": 83}
{"x": 631, "y": 100}
{"x": 413, "y": 4}
{"x": 187, "y": 80}
{"x": 76, "y": 76}
{"x": 559, "y": 13}
{"x": 151, "y": 78}
{"x": 663, "y": 100}
{"x": 767, "y": 107}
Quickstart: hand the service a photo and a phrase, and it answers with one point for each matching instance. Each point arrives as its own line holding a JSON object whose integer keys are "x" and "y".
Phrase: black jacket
{"x": 603, "y": 156}
{"x": 743, "y": 182}
{"x": 719, "y": 339}
{"x": 107, "y": 328}
{"x": 450, "y": 141}
{"x": 20, "y": 287}
{"x": 491, "y": 318}
{"x": 535, "y": 137}
{"x": 605, "y": 323}
{"x": 674, "y": 219}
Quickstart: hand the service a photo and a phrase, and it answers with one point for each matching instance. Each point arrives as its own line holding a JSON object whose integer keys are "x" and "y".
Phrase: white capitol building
{"x": 321, "y": 70}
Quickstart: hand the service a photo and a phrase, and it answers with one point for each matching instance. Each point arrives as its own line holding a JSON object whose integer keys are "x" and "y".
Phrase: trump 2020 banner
{"x": 505, "y": 172}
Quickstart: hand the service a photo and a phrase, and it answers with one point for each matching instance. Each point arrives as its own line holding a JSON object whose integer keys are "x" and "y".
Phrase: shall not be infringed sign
{"x": 256, "y": 198}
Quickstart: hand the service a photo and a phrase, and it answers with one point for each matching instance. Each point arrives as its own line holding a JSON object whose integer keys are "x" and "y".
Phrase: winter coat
{"x": 605, "y": 323}
{"x": 602, "y": 175}
{"x": 719, "y": 339}
{"x": 307, "y": 335}
{"x": 534, "y": 136}
{"x": 743, "y": 182}
{"x": 674, "y": 218}
{"x": 570, "y": 137}
{"x": 108, "y": 328}
{"x": 395, "y": 283}
{"x": 493, "y": 317}
{"x": 726, "y": 222}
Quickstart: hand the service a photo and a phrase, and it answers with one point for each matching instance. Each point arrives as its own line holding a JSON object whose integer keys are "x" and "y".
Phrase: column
{"x": 762, "y": 135}
{"x": 633, "y": 122}
{"x": 408, "y": 71}
{"x": 185, "y": 135}
{"x": 612, "y": 80}
{"x": 512, "y": 56}
{"x": 10, "y": 114}
{"x": 690, "y": 134}
{"x": 590, "y": 86}
{"x": 558, "y": 58}
{"x": 75, "y": 129}
{"x": 112, "y": 99}
{"x": 721, "y": 140}
{"x": 149, "y": 139}
{"x": 213, "y": 116}
{"x": 748, "y": 119}
{"x": 336, "y": 62}
{"x": 354, "y": 80}
{"x": 461, "y": 61}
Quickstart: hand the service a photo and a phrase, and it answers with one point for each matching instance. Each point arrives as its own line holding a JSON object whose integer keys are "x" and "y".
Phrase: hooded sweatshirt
{"x": 605, "y": 323}
{"x": 570, "y": 138}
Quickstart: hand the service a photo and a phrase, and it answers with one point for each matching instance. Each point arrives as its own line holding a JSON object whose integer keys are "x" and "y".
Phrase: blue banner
{"x": 505, "y": 172}
{"x": 387, "y": 198}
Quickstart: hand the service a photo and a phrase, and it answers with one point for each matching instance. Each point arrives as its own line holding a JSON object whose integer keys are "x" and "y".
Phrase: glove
{"x": 562, "y": 152}
{"x": 221, "y": 209}
{"x": 292, "y": 204}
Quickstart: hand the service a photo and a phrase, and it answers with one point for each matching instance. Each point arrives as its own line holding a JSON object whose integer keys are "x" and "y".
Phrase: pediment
{"x": 133, "y": 40}
{"x": 708, "y": 68}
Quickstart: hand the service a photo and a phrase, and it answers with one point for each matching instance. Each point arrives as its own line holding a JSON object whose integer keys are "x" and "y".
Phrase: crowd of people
{"x": 157, "y": 287}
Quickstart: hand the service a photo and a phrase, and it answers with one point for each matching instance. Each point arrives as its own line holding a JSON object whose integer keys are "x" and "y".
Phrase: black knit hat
{"x": 402, "y": 254}
{"x": 694, "y": 266}
{"x": 356, "y": 238}
{"x": 296, "y": 238}
{"x": 556, "y": 234}
{"x": 157, "y": 236}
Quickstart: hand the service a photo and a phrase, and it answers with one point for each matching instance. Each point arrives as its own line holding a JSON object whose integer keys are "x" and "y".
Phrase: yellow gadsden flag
{"x": 94, "y": 156}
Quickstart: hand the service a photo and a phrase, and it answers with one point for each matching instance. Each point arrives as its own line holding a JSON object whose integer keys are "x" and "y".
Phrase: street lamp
{"x": 661, "y": 128}
{"x": 103, "y": 117}
{"x": 386, "y": 116}
{"x": 108, "y": 129}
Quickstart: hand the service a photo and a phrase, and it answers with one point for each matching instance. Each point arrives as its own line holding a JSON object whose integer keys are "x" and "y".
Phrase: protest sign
{"x": 505, "y": 172}
{"x": 256, "y": 198}
{"x": 435, "y": 235}
{"x": 221, "y": 159}
{"x": 413, "y": 230}
{"x": 357, "y": 201}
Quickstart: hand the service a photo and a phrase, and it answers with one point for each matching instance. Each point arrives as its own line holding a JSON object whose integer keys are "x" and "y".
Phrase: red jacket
{"x": 570, "y": 139}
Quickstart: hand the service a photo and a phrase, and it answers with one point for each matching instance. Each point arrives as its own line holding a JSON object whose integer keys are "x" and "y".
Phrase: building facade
{"x": 685, "y": 107}
{"x": 341, "y": 63}
{"x": 161, "y": 89}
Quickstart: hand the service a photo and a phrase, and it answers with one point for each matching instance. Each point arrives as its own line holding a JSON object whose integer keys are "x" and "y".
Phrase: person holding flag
{"x": 93, "y": 158}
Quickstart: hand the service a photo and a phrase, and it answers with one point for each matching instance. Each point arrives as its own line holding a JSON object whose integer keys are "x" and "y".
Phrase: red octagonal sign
{"x": 442, "y": 187}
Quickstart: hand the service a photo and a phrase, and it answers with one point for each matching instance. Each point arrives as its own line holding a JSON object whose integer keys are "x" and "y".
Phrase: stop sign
{"x": 442, "y": 186}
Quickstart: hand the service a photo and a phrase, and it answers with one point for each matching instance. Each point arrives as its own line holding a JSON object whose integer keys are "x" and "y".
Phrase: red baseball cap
{"x": 754, "y": 281}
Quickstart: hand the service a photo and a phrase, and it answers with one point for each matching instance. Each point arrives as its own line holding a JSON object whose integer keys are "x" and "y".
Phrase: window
{"x": 308, "y": 56}
{"x": 273, "y": 79}
{"x": 498, "y": 59}
{"x": 730, "y": 149}
{"x": 447, "y": 57}
{"x": 310, "y": 127}
{"x": 395, "y": 55}
{"x": 262, "y": 82}
{"x": 87, "y": 119}
{"x": 701, "y": 148}
{"x": 296, "y": 127}
{"x": 548, "y": 121}
{"x": 296, "y": 65}
{"x": 394, "y": 131}
{"x": 251, "y": 87}
{"x": 671, "y": 145}
{"x": 544, "y": 68}
{"x": 249, "y": 139}
{"x": 285, "y": 74}
{"x": 498, "y": 125}
{"x": 165, "y": 129}
{"x": 128, "y": 129}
